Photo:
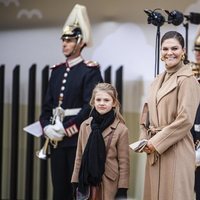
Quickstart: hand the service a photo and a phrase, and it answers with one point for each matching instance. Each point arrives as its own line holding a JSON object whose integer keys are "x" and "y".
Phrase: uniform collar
{"x": 74, "y": 61}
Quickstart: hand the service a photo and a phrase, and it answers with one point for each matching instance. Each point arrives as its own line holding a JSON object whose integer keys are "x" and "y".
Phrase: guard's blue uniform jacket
{"x": 196, "y": 127}
{"x": 196, "y": 136}
{"x": 75, "y": 83}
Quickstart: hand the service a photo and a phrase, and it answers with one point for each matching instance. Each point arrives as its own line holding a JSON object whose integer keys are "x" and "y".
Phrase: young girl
{"x": 102, "y": 156}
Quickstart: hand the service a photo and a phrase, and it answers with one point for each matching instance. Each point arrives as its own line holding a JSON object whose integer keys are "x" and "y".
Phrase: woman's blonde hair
{"x": 111, "y": 90}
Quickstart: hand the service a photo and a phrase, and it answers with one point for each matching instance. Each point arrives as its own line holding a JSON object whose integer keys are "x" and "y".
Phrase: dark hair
{"x": 176, "y": 35}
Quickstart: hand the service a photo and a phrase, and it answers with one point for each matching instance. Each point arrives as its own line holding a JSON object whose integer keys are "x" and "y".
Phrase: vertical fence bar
{"x": 43, "y": 163}
{"x": 107, "y": 75}
{"x": 30, "y": 138}
{"x": 119, "y": 84}
{"x": 2, "y": 79}
{"x": 14, "y": 134}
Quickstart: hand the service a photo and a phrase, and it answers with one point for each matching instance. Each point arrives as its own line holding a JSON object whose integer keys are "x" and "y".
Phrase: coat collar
{"x": 170, "y": 84}
{"x": 108, "y": 130}
{"x": 158, "y": 92}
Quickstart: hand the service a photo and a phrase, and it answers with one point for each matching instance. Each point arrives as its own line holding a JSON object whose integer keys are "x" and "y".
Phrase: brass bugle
{"x": 42, "y": 154}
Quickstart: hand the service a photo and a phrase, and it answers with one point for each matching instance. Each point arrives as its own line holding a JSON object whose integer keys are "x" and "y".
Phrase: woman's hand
{"x": 149, "y": 148}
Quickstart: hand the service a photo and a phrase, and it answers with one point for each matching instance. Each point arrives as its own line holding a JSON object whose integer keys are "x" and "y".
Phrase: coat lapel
{"x": 107, "y": 131}
{"x": 153, "y": 97}
{"x": 172, "y": 83}
{"x": 111, "y": 128}
{"x": 158, "y": 92}
{"x": 167, "y": 87}
{"x": 88, "y": 126}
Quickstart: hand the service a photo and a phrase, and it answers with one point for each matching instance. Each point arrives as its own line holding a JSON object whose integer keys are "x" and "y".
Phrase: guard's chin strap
{"x": 75, "y": 48}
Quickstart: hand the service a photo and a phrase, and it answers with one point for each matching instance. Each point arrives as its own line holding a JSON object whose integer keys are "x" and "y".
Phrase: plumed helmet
{"x": 197, "y": 43}
{"x": 77, "y": 25}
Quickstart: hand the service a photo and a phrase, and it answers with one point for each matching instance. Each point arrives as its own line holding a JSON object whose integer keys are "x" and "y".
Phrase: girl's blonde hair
{"x": 109, "y": 89}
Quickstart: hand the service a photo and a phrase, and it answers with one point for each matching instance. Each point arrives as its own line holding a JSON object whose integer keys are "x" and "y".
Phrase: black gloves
{"x": 74, "y": 186}
{"x": 121, "y": 193}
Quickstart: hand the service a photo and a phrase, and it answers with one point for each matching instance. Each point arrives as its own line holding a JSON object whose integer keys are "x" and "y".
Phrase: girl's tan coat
{"x": 117, "y": 161}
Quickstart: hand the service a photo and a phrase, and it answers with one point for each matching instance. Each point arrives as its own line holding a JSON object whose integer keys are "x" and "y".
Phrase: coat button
{"x": 67, "y": 69}
{"x": 61, "y": 95}
{"x": 65, "y": 75}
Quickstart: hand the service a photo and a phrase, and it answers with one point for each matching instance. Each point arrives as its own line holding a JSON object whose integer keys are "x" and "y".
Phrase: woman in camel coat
{"x": 173, "y": 100}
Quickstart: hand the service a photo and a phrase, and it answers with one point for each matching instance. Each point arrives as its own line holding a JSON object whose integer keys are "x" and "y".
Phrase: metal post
{"x": 14, "y": 134}
{"x": 119, "y": 84}
{"x": 2, "y": 79}
{"x": 107, "y": 75}
{"x": 30, "y": 138}
{"x": 43, "y": 163}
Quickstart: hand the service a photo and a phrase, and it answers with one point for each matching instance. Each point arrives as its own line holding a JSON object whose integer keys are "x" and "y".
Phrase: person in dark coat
{"x": 196, "y": 128}
{"x": 66, "y": 104}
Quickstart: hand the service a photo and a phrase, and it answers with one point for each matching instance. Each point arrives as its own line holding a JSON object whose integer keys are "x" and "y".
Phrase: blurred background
{"x": 30, "y": 32}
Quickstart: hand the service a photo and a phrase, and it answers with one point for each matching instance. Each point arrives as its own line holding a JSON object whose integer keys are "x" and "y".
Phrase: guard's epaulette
{"x": 91, "y": 63}
{"x": 57, "y": 65}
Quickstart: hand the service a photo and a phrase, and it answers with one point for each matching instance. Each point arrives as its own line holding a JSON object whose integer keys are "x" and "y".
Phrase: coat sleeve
{"x": 78, "y": 159}
{"x": 144, "y": 122}
{"x": 186, "y": 111}
{"x": 123, "y": 159}
{"x": 47, "y": 106}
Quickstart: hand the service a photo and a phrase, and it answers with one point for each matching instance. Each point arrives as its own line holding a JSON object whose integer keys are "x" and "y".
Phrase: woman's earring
{"x": 183, "y": 57}
{"x": 162, "y": 58}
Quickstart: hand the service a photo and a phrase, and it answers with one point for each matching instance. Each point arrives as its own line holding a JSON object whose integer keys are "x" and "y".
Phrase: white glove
{"x": 58, "y": 127}
{"x": 52, "y": 134}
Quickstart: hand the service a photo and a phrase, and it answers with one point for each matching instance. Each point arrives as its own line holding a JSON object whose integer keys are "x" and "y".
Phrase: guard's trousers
{"x": 62, "y": 164}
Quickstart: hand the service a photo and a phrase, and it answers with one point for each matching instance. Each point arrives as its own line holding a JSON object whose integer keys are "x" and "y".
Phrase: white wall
{"x": 128, "y": 44}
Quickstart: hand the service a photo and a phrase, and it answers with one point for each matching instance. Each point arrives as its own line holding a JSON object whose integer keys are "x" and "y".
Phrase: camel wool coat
{"x": 116, "y": 173}
{"x": 172, "y": 108}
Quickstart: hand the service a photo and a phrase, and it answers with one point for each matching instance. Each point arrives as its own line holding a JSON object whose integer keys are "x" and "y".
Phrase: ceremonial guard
{"x": 196, "y": 128}
{"x": 66, "y": 103}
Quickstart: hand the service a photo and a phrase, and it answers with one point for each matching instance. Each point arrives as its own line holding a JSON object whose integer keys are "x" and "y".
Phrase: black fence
{"x": 2, "y": 80}
{"x": 13, "y": 136}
